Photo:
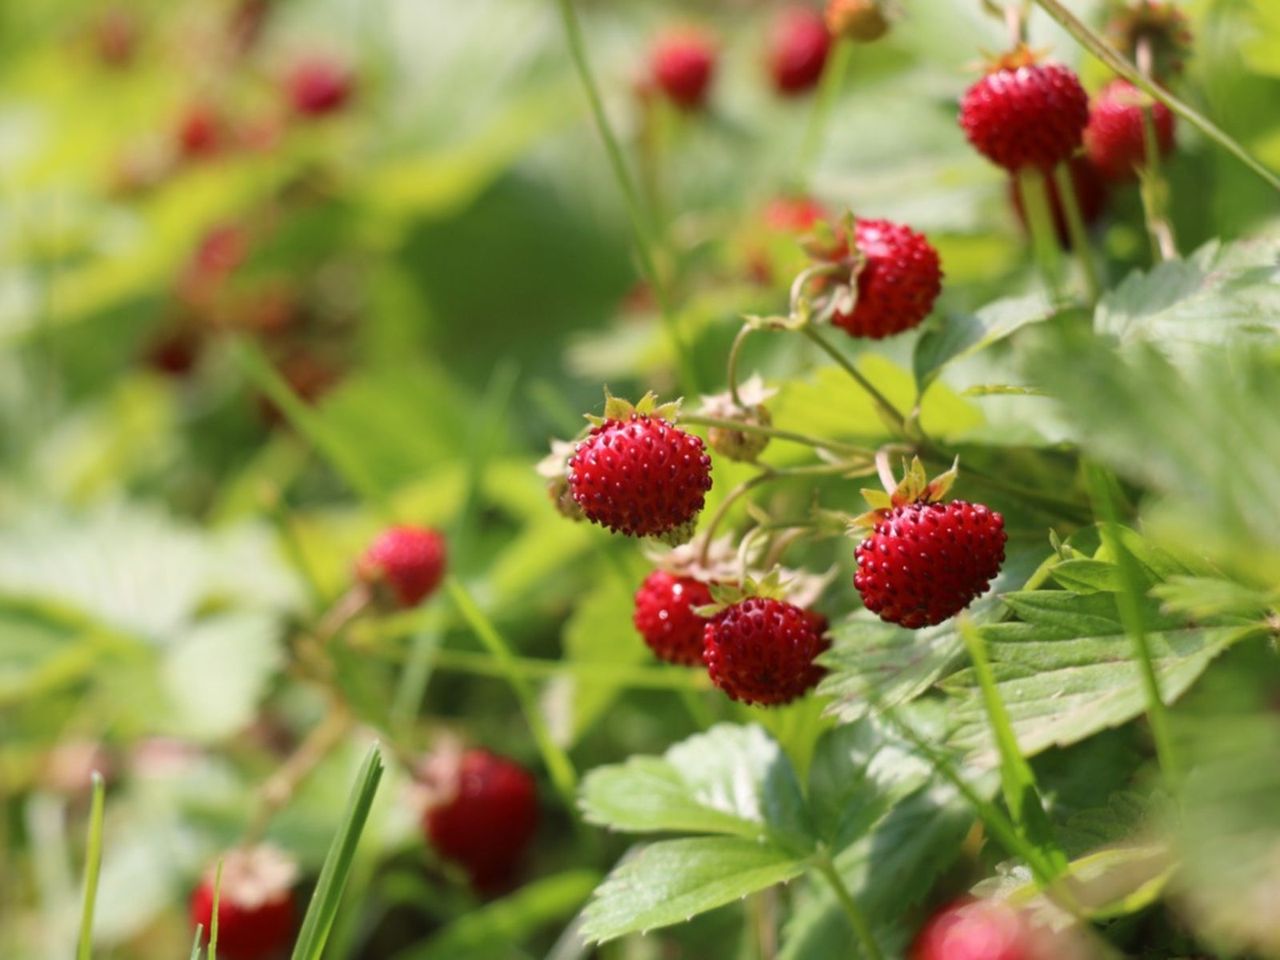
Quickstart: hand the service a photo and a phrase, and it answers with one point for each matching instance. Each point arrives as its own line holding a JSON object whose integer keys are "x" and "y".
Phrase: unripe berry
{"x": 683, "y": 64}
{"x": 798, "y": 48}
{"x": 408, "y": 560}
{"x": 861, "y": 21}
{"x": 255, "y": 903}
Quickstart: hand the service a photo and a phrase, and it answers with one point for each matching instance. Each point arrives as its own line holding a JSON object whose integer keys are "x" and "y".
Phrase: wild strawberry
{"x": 1025, "y": 114}
{"x": 1158, "y": 25}
{"x": 798, "y": 50}
{"x": 742, "y": 445}
{"x": 899, "y": 279}
{"x": 665, "y": 616}
{"x": 482, "y": 813}
{"x": 1091, "y": 195}
{"x": 1114, "y": 138}
{"x": 255, "y": 903}
{"x": 308, "y": 375}
{"x": 175, "y": 352}
{"x": 761, "y": 650}
{"x": 683, "y": 64}
{"x": 201, "y": 132}
{"x": 861, "y": 21}
{"x": 794, "y": 214}
{"x": 319, "y": 86}
{"x": 639, "y": 475}
{"x": 410, "y": 561}
{"x": 975, "y": 930}
{"x": 926, "y": 561}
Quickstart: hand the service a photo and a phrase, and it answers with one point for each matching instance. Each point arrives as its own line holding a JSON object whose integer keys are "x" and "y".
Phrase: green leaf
{"x": 963, "y": 334}
{"x": 731, "y": 779}
{"x": 673, "y": 880}
{"x": 1087, "y": 576}
{"x": 1066, "y": 671}
{"x": 323, "y": 907}
{"x": 1205, "y": 598}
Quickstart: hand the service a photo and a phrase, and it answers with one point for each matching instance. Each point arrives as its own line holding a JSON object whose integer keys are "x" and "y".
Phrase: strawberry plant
{"x": 920, "y": 602}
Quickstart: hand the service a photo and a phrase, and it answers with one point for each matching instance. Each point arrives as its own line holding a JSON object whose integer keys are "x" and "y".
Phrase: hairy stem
{"x": 857, "y": 919}
{"x": 835, "y": 446}
{"x": 731, "y": 371}
{"x": 1044, "y": 236}
{"x": 893, "y": 416}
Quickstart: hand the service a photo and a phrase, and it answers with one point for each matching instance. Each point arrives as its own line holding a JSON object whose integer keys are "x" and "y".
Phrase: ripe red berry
{"x": 798, "y": 48}
{"x": 255, "y": 903}
{"x": 641, "y": 477}
{"x": 201, "y": 132}
{"x": 409, "y": 560}
{"x": 319, "y": 86}
{"x": 898, "y": 283}
{"x": 484, "y": 816}
{"x": 975, "y": 930}
{"x": 926, "y": 562}
{"x": 794, "y": 214}
{"x": 761, "y": 650}
{"x": 1091, "y": 195}
{"x": 666, "y": 619}
{"x": 683, "y": 65}
{"x": 1114, "y": 138}
{"x": 1026, "y": 114}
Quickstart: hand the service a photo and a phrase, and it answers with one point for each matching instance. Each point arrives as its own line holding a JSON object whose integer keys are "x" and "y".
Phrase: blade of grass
{"x": 1044, "y": 235}
{"x": 1016, "y": 777}
{"x": 195, "y": 942}
{"x": 92, "y": 869}
{"x": 337, "y": 864}
{"x": 556, "y": 760}
{"x": 213, "y": 916}
{"x": 1129, "y": 603}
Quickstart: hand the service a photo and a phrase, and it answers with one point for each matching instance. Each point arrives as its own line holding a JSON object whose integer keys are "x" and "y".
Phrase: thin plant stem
{"x": 637, "y": 676}
{"x": 857, "y": 919}
{"x": 1097, "y": 46}
{"x": 213, "y": 916}
{"x": 819, "y": 443}
{"x": 1152, "y": 184}
{"x": 641, "y": 228}
{"x": 731, "y": 371}
{"x": 832, "y": 79}
{"x": 722, "y": 511}
{"x": 279, "y": 789}
{"x": 891, "y": 413}
{"x": 92, "y": 869}
{"x": 1077, "y": 230}
{"x": 1044, "y": 237}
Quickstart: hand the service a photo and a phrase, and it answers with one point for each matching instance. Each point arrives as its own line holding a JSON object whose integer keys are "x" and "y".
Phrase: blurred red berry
{"x": 683, "y": 64}
{"x": 1025, "y": 114}
{"x": 201, "y": 132}
{"x": 115, "y": 36}
{"x": 1091, "y": 195}
{"x": 762, "y": 650}
{"x": 900, "y": 279}
{"x": 975, "y": 930}
{"x": 409, "y": 560}
{"x": 665, "y": 616}
{"x": 483, "y": 815}
{"x": 798, "y": 214}
{"x": 1114, "y": 139}
{"x": 798, "y": 47}
{"x": 255, "y": 903}
{"x": 174, "y": 352}
{"x": 319, "y": 86}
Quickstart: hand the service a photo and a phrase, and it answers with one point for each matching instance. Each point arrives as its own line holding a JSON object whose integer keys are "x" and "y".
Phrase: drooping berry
{"x": 683, "y": 64}
{"x": 666, "y": 619}
{"x": 1114, "y": 138}
{"x": 975, "y": 930}
{"x": 642, "y": 477}
{"x": 409, "y": 560}
{"x": 482, "y": 814}
{"x": 798, "y": 48}
{"x": 761, "y": 650}
{"x": 925, "y": 562}
{"x": 900, "y": 279}
{"x": 794, "y": 214}
{"x": 861, "y": 21}
{"x": 1025, "y": 114}
{"x": 201, "y": 132}
{"x": 319, "y": 86}
{"x": 255, "y": 903}
{"x": 1091, "y": 195}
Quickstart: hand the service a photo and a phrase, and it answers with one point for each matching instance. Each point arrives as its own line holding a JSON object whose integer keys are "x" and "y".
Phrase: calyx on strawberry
{"x": 925, "y": 561}
{"x": 683, "y": 65}
{"x": 1025, "y": 113}
{"x": 407, "y": 561}
{"x": 481, "y": 813}
{"x": 637, "y": 474}
{"x": 893, "y": 276}
{"x": 1160, "y": 25}
{"x": 742, "y": 445}
{"x": 861, "y": 21}
{"x": 798, "y": 48}
{"x": 759, "y": 647}
{"x": 255, "y": 903}
{"x": 1115, "y": 138}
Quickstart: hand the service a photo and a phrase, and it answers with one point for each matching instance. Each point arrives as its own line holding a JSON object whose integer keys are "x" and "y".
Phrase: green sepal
{"x": 617, "y": 408}
{"x": 915, "y": 487}
{"x": 726, "y": 595}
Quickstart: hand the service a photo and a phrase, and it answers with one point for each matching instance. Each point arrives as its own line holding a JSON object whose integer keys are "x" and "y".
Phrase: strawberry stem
{"x": 892, "y": 415}
{"x": 832, "y": 77}
{"x": 1152, "y": 185}
{"x": 835, "y": 446}
{"x": 1076, "y": 230}
{"x": 1044, "y": 239}
{"x": 857, "y": 919}
{"x": 731, "y": 372}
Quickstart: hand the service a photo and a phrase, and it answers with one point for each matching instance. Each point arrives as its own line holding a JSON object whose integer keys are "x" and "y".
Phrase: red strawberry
{"x": 666, "y": 619}
{"x": 861, "y": 21}
{"x": 975, "y": 930}
{"x": 1114, "y": 138}
{"x": 201, "y": 132}
{"x": 409, "y": 560}
{"x": 795, "y": 214}
{"x": 255, "y": 903}
{"x": 640, "y": 476}
{"x": 898, "y": 283}
{"x": 483, "y": 815}
{"x": 115, "y": 36}
{"x": 798, "y": 50}
{"x": 926, "y": 562}
{"x": 761, "y": 650}
{"x": 683, "y": 65}
{"x": 1160, "y": 26}
{"x": 1025, "y": 114}
{"x": 318, "y": 86}
{"x": 1091, "y": 194}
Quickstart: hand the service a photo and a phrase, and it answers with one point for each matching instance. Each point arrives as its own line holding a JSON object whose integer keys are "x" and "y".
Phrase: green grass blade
{"x": 559, "y": 767}
{"x": 92, "y": 868}
{"x": 195, "y": 942}
{"x": 213, "y": 917}
{"x": 1016, "y": 777}
{"x": 337, "y": 864}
